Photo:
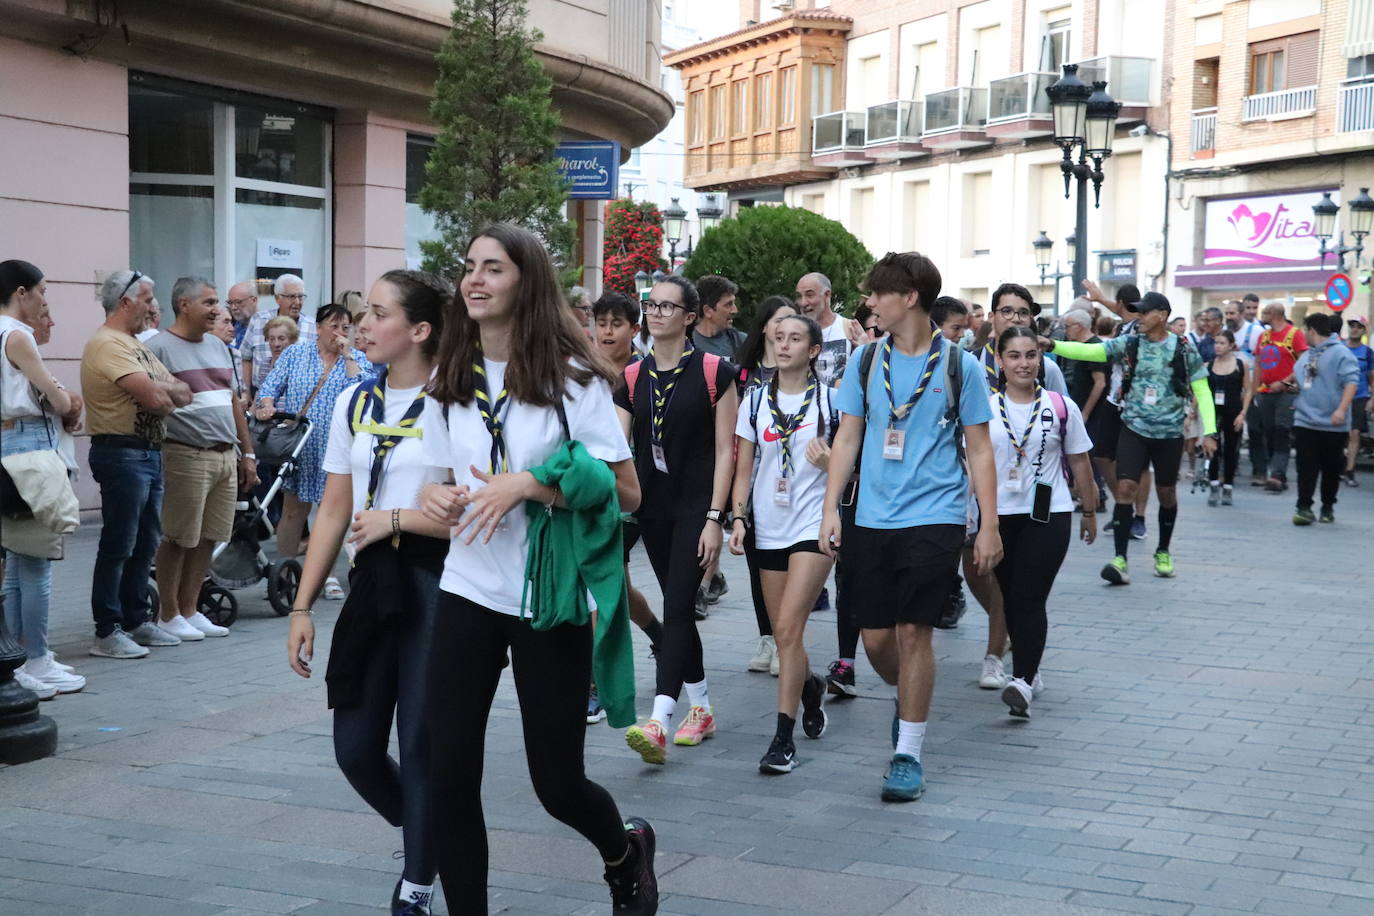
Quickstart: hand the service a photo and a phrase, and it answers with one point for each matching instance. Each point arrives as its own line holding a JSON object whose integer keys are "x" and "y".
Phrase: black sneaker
{"x": 840, "y": 680}
{"x": 702, "y": 609}
{"x": 1328, "y": 515}
{"x": 634, "y": 889}
{"x": 410, "y": 907}
{"x": 716, "y": 588}
{"x": 954, "y": 610}
{"x": 813, "y": 719}
{"x": 781, "y": 757}
{"x": 822, "y": 600}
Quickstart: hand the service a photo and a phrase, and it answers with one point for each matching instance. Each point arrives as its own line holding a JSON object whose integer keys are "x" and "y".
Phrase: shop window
{"x": 420, "y": 226}
{"x": 278, "y": 146}
{"x": 170, "y": 134}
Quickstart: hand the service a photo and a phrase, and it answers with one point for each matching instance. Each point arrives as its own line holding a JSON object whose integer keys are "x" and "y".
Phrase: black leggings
{"x": 672, "y": 548}
{"x": 1228, "y": 455}
{"x": 395, "y": 682}
{"x": 755, "y": 585}
{"x": 552, "y": 669}
{"x": 1032, "y": 553}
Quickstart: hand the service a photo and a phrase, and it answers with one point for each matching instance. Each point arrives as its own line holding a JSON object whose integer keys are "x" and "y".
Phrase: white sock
{"x": 664, "y": 707}
{"x": 909, "y": 738}
{"x": 696, "y": 694}
{"x": 416, "y": 893}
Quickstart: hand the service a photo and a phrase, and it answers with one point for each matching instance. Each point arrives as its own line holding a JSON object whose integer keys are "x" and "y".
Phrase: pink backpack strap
{"x": 1062, "y": 412}
{"x": 710, "y": 365}
{"x": 632, "y": 377}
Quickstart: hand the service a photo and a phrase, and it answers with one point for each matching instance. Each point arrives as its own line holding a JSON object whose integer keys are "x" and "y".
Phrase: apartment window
{"x": 874, "y": 81}
{"x": 763, "y": 101}
{"x": 787, "y": 102}
{"x": 1054, "y": 44}
{"x": 1357, "y": 67}
{"x": 987, "y": 44}
{"x": 1283, "y": 63}
{"x": 695, "y": 103}
{"x": 822, "y": 89}
{"x": 739, "y": 110}
{"x": 977, "y": 214}
{"x": 717, "y": 112}
{"x": 926, "y": 76}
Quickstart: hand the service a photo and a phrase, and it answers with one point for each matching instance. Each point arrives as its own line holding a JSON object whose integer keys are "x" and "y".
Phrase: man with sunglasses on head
{"x": 128, "y": 393}
{"x": 289, "y": 292}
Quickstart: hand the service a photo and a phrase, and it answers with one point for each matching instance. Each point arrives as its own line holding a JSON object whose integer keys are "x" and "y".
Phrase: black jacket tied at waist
{"x": 382, "y": 590}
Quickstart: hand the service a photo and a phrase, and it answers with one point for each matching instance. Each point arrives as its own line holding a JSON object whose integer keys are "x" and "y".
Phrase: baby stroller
{"x": 241, "y": 561}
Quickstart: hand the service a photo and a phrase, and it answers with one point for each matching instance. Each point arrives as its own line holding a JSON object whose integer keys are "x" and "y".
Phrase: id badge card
{"x": 894, "y": 443}
{"x": 1307, "y": 383}
{"x": 660, "y": 459}
{"x": 782, "y": 493}
{"x": 1151, "y": 396}
{"x": 1013, "y": 473}
{"x": 1219, "y": 398}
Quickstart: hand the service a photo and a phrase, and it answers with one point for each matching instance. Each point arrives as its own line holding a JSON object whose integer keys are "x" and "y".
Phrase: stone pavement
{"x": 1204, "y": 745}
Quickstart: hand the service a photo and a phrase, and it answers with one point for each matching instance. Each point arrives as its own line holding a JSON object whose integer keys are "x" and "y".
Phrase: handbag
{"x": 275, "y": 440}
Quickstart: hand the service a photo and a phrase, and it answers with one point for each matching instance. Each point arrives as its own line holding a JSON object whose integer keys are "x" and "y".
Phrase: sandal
{"x": 333, "y": 591}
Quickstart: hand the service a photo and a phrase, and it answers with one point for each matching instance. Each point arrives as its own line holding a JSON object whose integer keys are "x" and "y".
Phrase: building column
{"x": 591, "y": 232}
{"x": 369, "y": 198}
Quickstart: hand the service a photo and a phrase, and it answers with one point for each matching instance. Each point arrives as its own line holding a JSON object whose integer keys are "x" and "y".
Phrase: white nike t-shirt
{"x": 776, "y": 526}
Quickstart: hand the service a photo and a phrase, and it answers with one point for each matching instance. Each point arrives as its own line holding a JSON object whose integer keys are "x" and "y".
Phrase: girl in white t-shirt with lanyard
{"x": 377, "y": 660}
{"x": 515, "y": 371}
{"x": 1035, "y": 432}
{"x": 786, "y": 423}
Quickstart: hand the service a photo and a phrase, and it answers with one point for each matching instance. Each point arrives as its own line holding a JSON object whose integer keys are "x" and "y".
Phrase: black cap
{"x": 1153, "y": 301}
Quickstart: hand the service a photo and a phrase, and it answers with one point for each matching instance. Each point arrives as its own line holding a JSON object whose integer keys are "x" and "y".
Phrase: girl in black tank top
{"x": 1231, "y": 386}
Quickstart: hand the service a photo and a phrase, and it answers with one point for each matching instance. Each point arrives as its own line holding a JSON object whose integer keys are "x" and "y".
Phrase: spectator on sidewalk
{"x": 32, "y": 405}
{"x": 289, "y": 292}
{"x": 242, "y": 305}
{"x": 128, "y": 393}
{"x": 203, "y": 472}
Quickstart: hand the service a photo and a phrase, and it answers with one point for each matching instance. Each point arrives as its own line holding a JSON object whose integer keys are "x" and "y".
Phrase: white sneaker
{"x": 1037, "y": 685}
{"x": 121, "y": 645}
{"x": 179, "y": 628}
{"x": 32, "y": 683}
{"x": 994, "y": 674}
{"x": 1017, "y": 695}
{"x": 763, "y": 658}
{"x": 775, "y": 664}
{"x": 149, "y": 633}
{"x": 42, "y": 669}
{"x": 203, "y": 623}
{"x": 56, "y": 664}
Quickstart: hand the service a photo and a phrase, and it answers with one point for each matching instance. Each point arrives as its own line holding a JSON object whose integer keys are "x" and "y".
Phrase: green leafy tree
{"x": 633, "y": 242}
{"x": 766, "y": 250}
{"x": 493, "y": 158}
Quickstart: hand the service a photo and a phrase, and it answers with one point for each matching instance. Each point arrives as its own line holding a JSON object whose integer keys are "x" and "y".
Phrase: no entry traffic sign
{"x": 1339, "y": 290}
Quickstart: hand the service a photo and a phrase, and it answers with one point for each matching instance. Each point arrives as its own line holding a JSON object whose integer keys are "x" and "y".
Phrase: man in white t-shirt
{"x": 813, "y": 301}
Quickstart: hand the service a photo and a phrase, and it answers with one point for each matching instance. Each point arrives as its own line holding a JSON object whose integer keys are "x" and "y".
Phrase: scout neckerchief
{"x": 387, "y": 437}
{"x": 1020, "y": 447}
{"x": 659, "y": 397}
{"x": 895, "y": 413}
{"x": 990, "y": 364}
{"x": 783, "y": 425}
{"x": 493, "y": 416}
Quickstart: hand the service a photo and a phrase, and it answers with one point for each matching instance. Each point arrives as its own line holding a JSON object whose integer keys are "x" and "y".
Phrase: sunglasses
{"x": 127, "y": 286}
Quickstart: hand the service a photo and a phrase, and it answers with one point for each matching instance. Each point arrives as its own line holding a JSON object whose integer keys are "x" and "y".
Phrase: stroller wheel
{"x": 282, "y": 582}
{"x": 154, "y": 599}
{"x": 218, "y": 604}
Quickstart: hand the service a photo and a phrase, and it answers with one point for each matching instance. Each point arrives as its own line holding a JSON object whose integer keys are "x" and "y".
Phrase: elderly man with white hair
{"x": 289, "y": 292}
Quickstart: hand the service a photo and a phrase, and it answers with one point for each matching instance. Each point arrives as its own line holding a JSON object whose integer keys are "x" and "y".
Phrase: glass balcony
{"x": 1020, "y": 97}
{"x": 1129, "y": 79}
{"x": 838, "y": 131}
{"x": 895, "y": 122}
{"x": 962, "y": 109}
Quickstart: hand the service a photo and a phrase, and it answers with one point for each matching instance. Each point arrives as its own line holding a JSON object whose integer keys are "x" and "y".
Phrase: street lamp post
{"x": 1361, "y": 221}
{"x": 1043, "y": 246}
{"x": 674, "y": 220}
{"x": 1084, "y": 116}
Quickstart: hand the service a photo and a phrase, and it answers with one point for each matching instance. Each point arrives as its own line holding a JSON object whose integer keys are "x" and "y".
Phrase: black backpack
{"x": 1178, "y": 378}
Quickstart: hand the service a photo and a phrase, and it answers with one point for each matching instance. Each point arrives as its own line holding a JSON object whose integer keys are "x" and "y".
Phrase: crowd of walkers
{"x": 483, "y": 449}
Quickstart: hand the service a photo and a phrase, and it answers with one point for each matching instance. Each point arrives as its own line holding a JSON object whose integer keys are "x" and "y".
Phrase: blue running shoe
{"x": 1137, "y": 529}
{"x": 904, "y": 781}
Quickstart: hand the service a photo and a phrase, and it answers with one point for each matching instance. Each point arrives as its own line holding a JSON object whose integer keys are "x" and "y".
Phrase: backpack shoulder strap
{"x": 866, "y": 371}
{"x": 755, "y": 401}
{"x": 632, "y": 378}
{"x": 562, "y": 417}
{"x": 1061, "y": 411}
{"x": 954, "y": 382}
{"x": 710, "y": 367}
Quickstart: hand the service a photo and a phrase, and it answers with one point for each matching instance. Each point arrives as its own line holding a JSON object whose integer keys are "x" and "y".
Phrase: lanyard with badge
{"x": 660, "y": 398}
{"x": 783, "y": 427}
{"x": 493, "y": 417}
{"x": 1042, "y": 492}
{"x": 894, "y": 439}
{"x": 1014, "y": 472}
{"x": 1309, "y": 377}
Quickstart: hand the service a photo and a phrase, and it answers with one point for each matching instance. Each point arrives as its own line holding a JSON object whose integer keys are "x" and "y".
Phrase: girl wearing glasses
{"x": 678, "y": 406}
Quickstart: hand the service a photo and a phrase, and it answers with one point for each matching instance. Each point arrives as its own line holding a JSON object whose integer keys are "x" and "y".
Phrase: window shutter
{"x": 1302, "y": 60}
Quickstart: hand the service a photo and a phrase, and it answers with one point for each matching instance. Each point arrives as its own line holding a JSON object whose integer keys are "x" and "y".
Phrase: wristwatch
{"x": 717, "y": 516}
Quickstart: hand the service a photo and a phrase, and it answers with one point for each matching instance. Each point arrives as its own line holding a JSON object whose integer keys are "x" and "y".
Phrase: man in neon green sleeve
{"x": 1161, "y": 371}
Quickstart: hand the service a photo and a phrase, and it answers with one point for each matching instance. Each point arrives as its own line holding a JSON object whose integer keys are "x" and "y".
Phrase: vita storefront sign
{"x": 1269, "y": 230}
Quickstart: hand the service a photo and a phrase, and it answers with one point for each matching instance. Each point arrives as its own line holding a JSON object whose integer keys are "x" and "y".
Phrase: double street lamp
{"x": 675, "y": 223}
{"x": 1361, "y": 221}
{"x": 1085, "y": 117}
{"x": 1043, "y": 246}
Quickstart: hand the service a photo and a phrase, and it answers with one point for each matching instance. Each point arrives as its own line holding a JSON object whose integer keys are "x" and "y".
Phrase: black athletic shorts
{"x": 1359, "y": 420}
{"x": 1135, "y": 453}
{"x": 901, "y": 575}
{"x": 629, "y": 533}
{"x": 776, "y": 560}
{"x": 1104, "y": 428}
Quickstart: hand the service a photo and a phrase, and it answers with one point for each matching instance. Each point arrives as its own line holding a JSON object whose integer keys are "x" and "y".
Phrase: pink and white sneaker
{"x": 649, "y": 741}
{"x": 696, "y": 728}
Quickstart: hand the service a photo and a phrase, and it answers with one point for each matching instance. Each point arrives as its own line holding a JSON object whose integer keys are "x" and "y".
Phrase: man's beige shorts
{"x": 201, "y": 488}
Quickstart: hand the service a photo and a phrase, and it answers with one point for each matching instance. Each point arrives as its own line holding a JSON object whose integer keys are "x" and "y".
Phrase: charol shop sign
{"x": 1270, "y": 230}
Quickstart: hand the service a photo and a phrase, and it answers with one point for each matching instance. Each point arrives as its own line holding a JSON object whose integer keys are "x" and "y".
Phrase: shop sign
{"x": 1274, "y": 229}
{"x": 280, "y": 256}
{"x": 591, "y": 167}
{"x": 1116, "y": 266}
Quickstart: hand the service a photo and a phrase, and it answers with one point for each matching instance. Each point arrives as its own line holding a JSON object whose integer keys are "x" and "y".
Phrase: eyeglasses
{"x": 235, "y": 303}
{"x": 293, "y": 297}
{"x": 662, "y": 309}
{"x": 1011, "y": 313}
{"x": 586, "y": 310}
{"x": 136, "y": 277}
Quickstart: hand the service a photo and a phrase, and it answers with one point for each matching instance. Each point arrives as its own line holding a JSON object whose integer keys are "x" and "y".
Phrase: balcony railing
{"x": 1276, "y": 104}
{"x": 898, "y": 121}
{"x": 1355, "y": 105}
{"x": 963, "y": 108}
{"x": 1204, "y": 130}
{"x": 839, "y": 131}
{"x": 1019, "y": 96}
{"x": 1129, "y": 79}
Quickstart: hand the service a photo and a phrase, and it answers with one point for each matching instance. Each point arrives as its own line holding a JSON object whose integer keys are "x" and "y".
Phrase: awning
{"x": 1359, "y": 29}
{"x": 1280, "y": 275}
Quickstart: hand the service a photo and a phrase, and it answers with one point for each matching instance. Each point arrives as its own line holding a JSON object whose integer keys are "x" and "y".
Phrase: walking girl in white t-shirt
{"x": 375, "y": 468}
{"x": 1037, "y": 439}
{"x": 516, "y": 379}
{"x": 786, "y": 425}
